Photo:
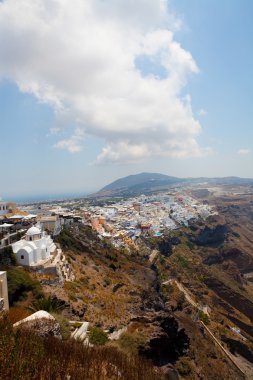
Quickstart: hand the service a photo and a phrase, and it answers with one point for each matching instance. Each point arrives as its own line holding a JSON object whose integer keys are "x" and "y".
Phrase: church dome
{"x": 33, "y": 231}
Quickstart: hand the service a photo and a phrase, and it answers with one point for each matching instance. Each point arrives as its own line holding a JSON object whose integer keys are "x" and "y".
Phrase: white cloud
{"x": 73, "y": 144}
{"x": 244, "y": 152}
{"x": 202, "y": 112}
{"x": 80, "y": 57}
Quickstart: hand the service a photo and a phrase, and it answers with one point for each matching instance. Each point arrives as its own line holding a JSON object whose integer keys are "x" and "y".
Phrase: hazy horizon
{"x": 48, "y": 196}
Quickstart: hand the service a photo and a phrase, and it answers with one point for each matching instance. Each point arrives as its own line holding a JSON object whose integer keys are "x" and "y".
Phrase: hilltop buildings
{"x": 146, "y": 213}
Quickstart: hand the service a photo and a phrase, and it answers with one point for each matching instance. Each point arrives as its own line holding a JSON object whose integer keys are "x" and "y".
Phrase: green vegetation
{"x": 68, "y": 241}
{"x": 131, "y": 343}
{"x": 190, "y": 245}
{"x": 111, "y": 257}
{"x": 65, "y": 327}
{"x": 98, "y": 337}
{"x": 7, "y": 257}
{"x": 19, "y": 283}
{"x": 204, "y": 317}
{"x": 48, "y": 304}
{"x": 182, "y": 262}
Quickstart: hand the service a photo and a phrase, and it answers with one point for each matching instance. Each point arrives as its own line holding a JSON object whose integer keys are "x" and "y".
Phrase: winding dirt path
{"x": 240, "y": 363}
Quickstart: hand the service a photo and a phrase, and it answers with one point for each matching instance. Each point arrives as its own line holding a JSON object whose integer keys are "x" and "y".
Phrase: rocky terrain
{"x": 116, "y": 288}
{"x": 184, "y": 301}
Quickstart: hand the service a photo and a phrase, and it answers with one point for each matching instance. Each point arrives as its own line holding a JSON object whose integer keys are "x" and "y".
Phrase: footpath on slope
{"x": 240, "y": 363}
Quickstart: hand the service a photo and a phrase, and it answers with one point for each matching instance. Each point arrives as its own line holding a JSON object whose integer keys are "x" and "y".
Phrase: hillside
{"x": 137, "y": 184}
{"x": 172, "y": 295}
{"x": 115, "y": 289}
{"x": 142, "y": 179}
{"x": 25, "y": 356}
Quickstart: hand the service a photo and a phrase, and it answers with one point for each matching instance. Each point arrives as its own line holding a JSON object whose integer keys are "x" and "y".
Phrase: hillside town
{"x": 153, "y": 214}
{"x": 122, "y": 222}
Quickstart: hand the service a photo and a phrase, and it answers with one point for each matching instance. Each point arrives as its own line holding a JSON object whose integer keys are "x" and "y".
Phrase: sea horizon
{"x": 27, "y": 199}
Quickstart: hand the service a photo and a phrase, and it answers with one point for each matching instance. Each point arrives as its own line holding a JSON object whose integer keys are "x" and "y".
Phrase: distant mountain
{"x": 137, "y": 184}
{"x": 147, "y": 182}
{"x": 142, "y": 179}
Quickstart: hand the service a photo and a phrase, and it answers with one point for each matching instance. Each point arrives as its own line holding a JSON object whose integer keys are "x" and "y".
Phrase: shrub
{"x": 65, "y": 327}
{"x": 131, "y": 343}
{"x": 7, "y": 257}
{"x": 48, "y": 304}
{"x": 19, "y": 283}
{"x": 190, "y": 245}
{"x": 68, "y": 241}
{"x": 113, "y": 267}
{"x": 184, "y": 367}
{"x": 111, "y": 257}
{"x": 98, "y": 337}
{"x": 182, "y": 261}
{"x": 204, "y": 317}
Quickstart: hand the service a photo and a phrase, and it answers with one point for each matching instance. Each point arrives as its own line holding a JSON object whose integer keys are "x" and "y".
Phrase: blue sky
{"x": 67, "y": 128}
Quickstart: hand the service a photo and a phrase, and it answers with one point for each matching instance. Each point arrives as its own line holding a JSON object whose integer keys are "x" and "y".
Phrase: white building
{"x": 111, "y": 211}
{"x": 35, "y": 248}
{"x": 3, "y": 208}
{"x": 4, "y": 303}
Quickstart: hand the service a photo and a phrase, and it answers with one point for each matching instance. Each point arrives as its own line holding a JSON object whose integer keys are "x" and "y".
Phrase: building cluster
{"x": 127, "y": 220}
{"x": 123, "y": 221}
{"x": 28, "y": 232}
{"x": 15, "y": 222}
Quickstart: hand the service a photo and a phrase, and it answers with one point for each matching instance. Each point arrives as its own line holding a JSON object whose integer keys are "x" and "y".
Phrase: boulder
{"x": 41, "y": 323}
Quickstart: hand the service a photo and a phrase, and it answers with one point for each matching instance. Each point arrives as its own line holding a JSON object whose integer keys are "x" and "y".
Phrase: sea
{"x": 27, "y": 199}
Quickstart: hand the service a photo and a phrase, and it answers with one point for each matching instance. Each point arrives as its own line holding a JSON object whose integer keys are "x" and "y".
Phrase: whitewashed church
{"x": 35, "y": 248}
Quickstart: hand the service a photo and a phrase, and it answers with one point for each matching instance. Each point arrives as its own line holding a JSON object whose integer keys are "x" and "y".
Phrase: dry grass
{"x": 29, "y": 357}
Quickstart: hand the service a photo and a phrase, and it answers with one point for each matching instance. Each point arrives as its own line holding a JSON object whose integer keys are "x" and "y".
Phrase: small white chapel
{"x": 35, "y": 248}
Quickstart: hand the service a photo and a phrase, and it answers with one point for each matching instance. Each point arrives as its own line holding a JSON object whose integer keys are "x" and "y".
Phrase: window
{"x": 22, "y": 257}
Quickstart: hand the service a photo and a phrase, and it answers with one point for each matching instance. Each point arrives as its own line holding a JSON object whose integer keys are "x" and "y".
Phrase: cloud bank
{"x": 113, "y": 68}
{"x": 244, "y": 152}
